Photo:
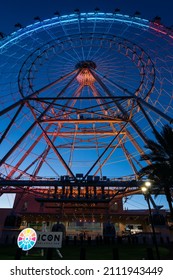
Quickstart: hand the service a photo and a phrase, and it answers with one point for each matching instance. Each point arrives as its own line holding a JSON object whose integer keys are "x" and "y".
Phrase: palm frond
{"x": 160, "y": 170}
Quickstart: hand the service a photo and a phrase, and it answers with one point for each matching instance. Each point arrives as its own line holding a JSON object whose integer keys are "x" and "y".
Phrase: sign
{"x": 49, "y": 239}
{"x": 27, "y": 239}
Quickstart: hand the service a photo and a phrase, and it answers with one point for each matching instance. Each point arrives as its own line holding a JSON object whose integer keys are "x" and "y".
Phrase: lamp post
{"x": 146, "y": 192}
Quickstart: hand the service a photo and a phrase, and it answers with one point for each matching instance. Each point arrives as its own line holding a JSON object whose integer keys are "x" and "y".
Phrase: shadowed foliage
{"x": 161, "y": 168}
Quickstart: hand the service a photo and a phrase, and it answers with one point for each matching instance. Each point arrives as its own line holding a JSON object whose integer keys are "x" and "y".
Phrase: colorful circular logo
{"x": 27, "y": 239}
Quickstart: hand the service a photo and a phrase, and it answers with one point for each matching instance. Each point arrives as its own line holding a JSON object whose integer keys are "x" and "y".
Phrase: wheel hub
{"x": 85, "y": 76}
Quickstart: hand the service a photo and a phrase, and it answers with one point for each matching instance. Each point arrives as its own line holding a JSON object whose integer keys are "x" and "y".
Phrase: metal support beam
{"x": 22, "y": 101}
{"x": 121, "y": 184}
{"x": 82, "y": 121}
{"x": 104, "y": 152}
{"x": 85, "y": 133}
{"x": 142, "y": 101}
{"x": 11, "y": 123}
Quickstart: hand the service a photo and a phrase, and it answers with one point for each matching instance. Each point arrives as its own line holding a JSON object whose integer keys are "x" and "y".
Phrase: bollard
{"x": 18, "y": 254}
{"x": 89, "y": 240}
{"x": 75, "y": 240}
{"x": 82, "y": 253}
{"x": 97, "y": 240}
{"x": 150, "y": 255}
{"x": 161, "y": 240}
{"x": 81, "y": 239}
{"x": 129, "y": 239}
{"x": 113, "y": 240}
{"x": 67, "y": 240}
{"x": 119, "y": 239}
{"x": 136, "y": 240}
{"x": 49, "y": 254}
{"x": 115, "y": 253}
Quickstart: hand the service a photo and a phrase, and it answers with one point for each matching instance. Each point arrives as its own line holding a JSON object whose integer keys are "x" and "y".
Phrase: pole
{"x": 153, "y": 229}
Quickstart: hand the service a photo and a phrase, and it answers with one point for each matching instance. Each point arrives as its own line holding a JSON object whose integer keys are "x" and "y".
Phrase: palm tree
{"x": 161, "y": 168}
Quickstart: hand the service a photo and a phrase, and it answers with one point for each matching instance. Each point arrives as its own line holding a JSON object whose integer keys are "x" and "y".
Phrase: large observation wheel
{"x": 82, "y": 94}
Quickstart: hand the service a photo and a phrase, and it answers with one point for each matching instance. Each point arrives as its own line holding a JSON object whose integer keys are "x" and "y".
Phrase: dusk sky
{"x": 24, "y": 11}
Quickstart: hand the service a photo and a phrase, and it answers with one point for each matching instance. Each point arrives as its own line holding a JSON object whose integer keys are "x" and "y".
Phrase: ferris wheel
{"x": 82, "y": 94}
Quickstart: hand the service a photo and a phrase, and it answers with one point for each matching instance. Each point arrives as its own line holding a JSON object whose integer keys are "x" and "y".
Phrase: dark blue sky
{"x": 23, "y": 11}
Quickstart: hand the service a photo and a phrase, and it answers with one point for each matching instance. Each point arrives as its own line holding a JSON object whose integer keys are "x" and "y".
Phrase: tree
{"x": 161, "y": 168}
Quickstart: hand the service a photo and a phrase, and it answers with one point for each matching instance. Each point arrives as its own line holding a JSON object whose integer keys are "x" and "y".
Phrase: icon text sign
{"x": 49, "y": 239}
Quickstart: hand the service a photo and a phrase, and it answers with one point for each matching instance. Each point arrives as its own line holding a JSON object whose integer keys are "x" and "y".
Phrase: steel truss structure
{"x": 80, "y": 97}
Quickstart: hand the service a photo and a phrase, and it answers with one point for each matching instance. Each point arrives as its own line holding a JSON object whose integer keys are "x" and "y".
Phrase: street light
{"x": 148, "y": 184}
{"x": 146, "y": 188}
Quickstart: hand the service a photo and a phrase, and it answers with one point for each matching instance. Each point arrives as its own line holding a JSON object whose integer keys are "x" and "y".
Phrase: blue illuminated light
{"x": 72, "y": 18}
